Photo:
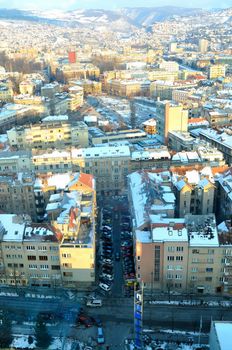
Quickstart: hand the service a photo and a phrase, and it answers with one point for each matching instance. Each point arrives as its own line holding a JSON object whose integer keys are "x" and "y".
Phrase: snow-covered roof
{"x": 202, "y": 230}
{"x": 223, "y": 331}
{"x": 55, "y": 118}
{"x": 169, "y": 234}
{"x": 101, "y": 152}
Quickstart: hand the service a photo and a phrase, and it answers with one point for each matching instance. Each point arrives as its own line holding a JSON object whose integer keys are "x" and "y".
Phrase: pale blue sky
{"x": 110, "y": 4}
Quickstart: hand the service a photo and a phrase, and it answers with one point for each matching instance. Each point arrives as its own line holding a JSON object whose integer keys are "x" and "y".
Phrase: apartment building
{"x": 27, "y": 87}
{"x": 194, "y": 191}
{"x": 15, "y": 162}
{"x": 128, "y": 88}
{"x": 180, "y": 141}
{"x": 76, "y": 98}
{"x": 182, "y": 254}
{"x": 6, "y": 93}
{"x": 170, "y": 116}
{"x": 30, "y": 253}
{"x": 221, "y": 140}
{"x": 73, "y": 213}
{"x": 97, "y": 136}
{"x": 60, "y": 251}
{"x": 53, "y": 132}
{"x": 17, "y": 194}
{"x": 90, "y": 87}
{"x": 165, "y": 89}
{"x": 217, "y": 71}
{"x": 224, "y": 195}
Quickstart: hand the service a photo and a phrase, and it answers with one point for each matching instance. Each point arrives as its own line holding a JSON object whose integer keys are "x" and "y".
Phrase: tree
{"x": 43, "y": 339}
{"x": 30, "y": 340}
{"x": 6, "y": 337}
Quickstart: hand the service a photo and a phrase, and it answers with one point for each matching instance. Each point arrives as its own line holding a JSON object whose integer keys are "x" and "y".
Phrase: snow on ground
{"x": 21, "y": 342}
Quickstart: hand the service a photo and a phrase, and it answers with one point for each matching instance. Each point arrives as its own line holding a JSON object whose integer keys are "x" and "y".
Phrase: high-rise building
{"x": 170, "y": 116}
{"x": 203, "y": 45}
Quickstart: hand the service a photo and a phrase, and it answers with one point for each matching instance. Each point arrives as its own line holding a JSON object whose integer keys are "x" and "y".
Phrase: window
{"x": 170, "y": 267}
{"x": 171, "y": 249}
{"x": 42, "y": 248}
{"x": 193, "y": 278}
{"x": 195, "y": 251}
{"x": 67, "y": 274}
{"x": 138, "y": 276}
{"x": 179, "y": 249}
{"x": 169, "y": 276}
{"x": 30, "y": 247}
{"x": 179, "y": 277}
{"x": 55, "y": 267}
{"x": 64, "y": 255}
{"x": 194, "y": 269}
{"x": 210, "y": 251}
{"x": 32, "y": 266}
{"x": 171, "y": 258}
{"x": 179, "y": 267}
{"x": 66, "y": 265}
{"x": 210, "y": 260}
{"x": 31, "y": 257}
{"x": 54, "y": 249}
{"x": 41, "y": 257}
{"x": 54, "y": 258}
{"x": 209, "y": 269}
{"x": 195, "y": 260}
{"x": 179, "y": 258}
{"x": 178, "y": 285}
{"x": 138, "y": 258}
{"x": 208, "y": 279}
{"x": 44, "y": 267}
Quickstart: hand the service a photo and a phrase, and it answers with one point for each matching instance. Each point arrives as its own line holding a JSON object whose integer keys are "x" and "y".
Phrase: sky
{"x": 108, "y": 4}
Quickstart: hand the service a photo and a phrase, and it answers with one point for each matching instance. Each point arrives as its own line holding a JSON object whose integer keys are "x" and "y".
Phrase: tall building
{"x": 72, "y": 57}
{"x": 170, "y": 116}
{"x": 203, "y": 45}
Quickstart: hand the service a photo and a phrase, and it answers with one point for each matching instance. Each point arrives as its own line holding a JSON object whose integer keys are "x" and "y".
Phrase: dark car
{"x": 85, "y": 320}
{"x": 117, "y": 256}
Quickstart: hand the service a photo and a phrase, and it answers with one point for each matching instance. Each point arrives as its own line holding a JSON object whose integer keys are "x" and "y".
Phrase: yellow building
{"x": 170, "y": 116}
{"x": 72, "y": 213}
{"x": 54, "y": 131}
{"x": 217, "y": 71}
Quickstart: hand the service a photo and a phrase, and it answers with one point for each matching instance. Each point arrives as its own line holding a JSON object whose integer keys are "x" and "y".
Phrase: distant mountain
{"x": 117, "y": 19}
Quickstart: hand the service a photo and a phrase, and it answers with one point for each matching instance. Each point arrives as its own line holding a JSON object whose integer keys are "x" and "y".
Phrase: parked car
{"x": 100, "y": 336}
{"x": 104, "y": 286}
{"x": 107, "y": 276}
{"x": 94, "y": 303}
{"x": 117, "y": 256}
{"x": 107, "y": 261}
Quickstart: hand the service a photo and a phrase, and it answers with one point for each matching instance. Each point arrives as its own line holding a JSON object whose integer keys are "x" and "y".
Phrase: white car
{"x": 107, "y": 276}
{"x": 104, "y": 286}
{"x": 107, "y": 261}
{"x": 94, "y": 303}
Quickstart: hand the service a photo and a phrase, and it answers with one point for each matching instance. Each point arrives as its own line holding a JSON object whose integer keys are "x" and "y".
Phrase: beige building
{"x": 17, "y": 194}
{"x": 164, "y": 89}
{"x": 27, "y": 87}
{"x": 54, "y": 131}
{"x": 73, "y": 213}
{"x": 170, "y": 116}
{"x": 194, "y": 191}
{"x": 76, "y": 98}
{"x": 30, "y": 253}
{"x": 217, "y": 71}
{"x": 173, "y": 254}
{"x": 61, "y": 252}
